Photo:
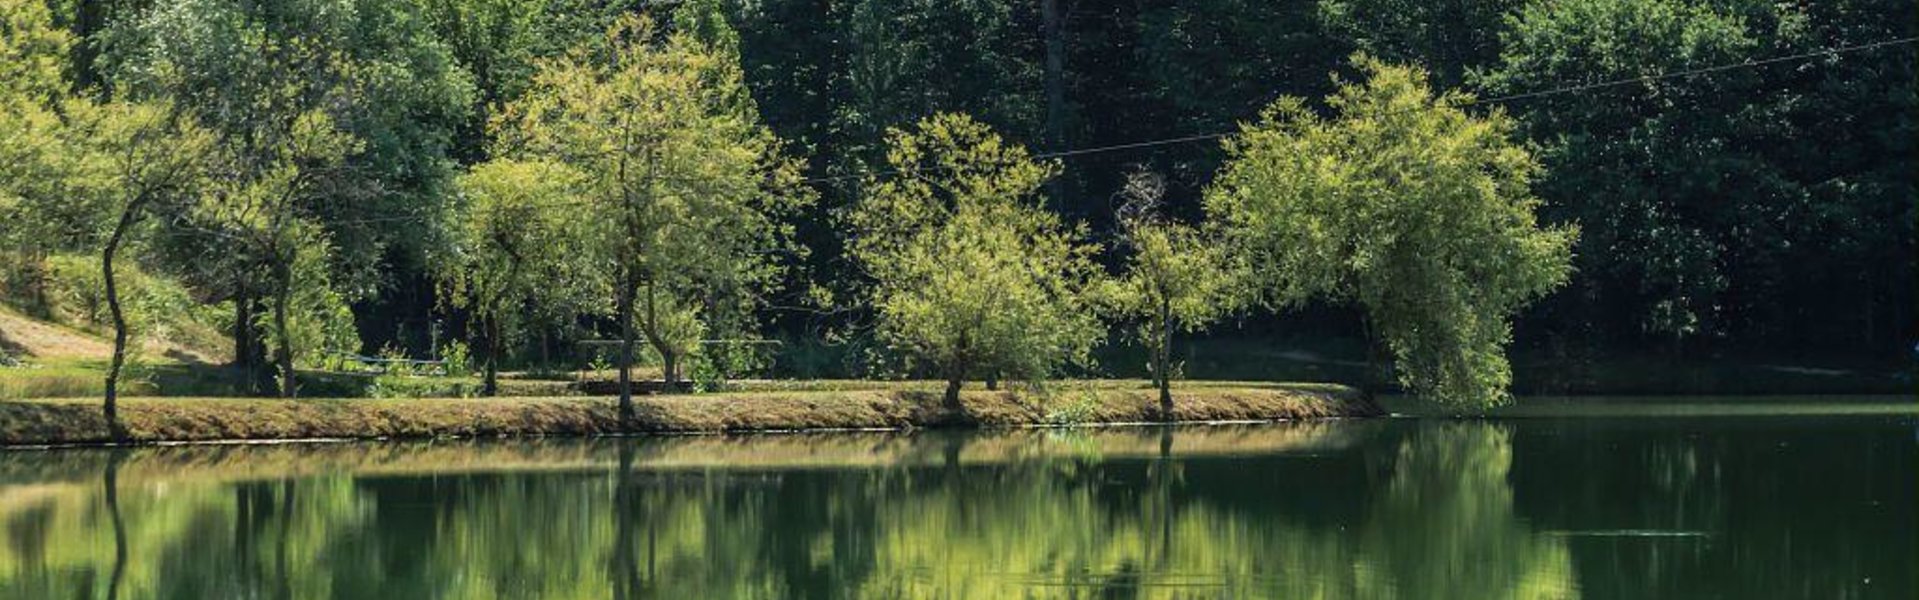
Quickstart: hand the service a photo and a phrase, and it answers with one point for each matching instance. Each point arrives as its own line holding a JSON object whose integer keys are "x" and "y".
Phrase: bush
{"x": 458, "y": 359}
{"x": 1075, "y": 408}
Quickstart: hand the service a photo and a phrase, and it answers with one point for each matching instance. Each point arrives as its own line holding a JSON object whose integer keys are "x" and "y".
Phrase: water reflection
{"x": 1345, "y": 510}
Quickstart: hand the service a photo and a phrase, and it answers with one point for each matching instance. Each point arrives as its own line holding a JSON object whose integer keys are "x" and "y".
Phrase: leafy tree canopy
{"x": 972, "y": 276}
{"x": 686, "y": 186}
{"x": 1407, "y": 206}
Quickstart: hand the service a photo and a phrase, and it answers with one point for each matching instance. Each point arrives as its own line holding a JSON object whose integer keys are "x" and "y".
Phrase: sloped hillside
{"x": 25, "y": 337}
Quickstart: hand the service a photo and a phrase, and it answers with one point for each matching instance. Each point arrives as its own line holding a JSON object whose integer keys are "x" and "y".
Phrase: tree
{"x": 1721, "y": 207}
{"x": 262, "y": 208}
{"x": 1646, "y": 169}
{"x": 511, "y": 247}
{"x": 1406, "y": 205}
{"x": 136, "y": 158}
{"x": 96, "y": 169}
{"x": 972, "y": 276}
{"x": 686, "y": 186}
{"x": 248, "y": 70}
{"x": 493, "y": 40}
{"x": 31, "y": 52}
{"x": 1177, "y": 278}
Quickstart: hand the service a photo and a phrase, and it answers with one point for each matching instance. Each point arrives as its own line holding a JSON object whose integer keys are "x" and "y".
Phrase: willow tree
{"x": 1177, "y": 279}
{"x": 1405, "y": 204}
{"x": 511, "y": 246}
{"x": 972, "y": 276}
{"x": 681, "y": 190}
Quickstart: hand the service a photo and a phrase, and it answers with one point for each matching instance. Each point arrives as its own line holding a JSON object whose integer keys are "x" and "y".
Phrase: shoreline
{"x": 26, "y": 424}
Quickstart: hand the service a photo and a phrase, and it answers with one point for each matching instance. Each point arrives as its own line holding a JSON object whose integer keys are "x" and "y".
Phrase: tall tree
{"x": 690, "y": 188}
{"x": 137, "y": 158}
{"x": 1721, "y": 206}
{"x": 972, "y": 276}
{"x": 1643, "y": 169}
{"x": 97, "y": 169}
{"x": 262, "y": 208}
{"x": 495, "y": 41}
{"x": 511, "y": 245}
{"x": 1407, "y": 206}
{"x": 249, "y": 70}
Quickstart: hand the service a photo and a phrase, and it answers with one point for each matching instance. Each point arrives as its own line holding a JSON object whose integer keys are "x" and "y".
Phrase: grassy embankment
{"x": 853, "y": 406}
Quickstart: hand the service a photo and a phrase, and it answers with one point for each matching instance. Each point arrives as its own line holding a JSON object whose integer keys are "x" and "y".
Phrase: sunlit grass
{"x": 74, "y": 420}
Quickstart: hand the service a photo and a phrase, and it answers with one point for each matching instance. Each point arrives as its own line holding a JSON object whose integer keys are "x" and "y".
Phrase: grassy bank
{"x": 205, "y": 419}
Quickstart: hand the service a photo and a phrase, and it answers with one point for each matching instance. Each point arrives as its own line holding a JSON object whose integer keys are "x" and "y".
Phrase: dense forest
{"x": 1740, "y": 172}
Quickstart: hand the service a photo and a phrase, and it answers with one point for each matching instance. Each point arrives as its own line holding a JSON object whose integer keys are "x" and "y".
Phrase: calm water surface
{"x": 1617, "y": 505}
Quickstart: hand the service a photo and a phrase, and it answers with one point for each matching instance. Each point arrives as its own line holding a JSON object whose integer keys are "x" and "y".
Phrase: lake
{"x": 1782, "y": 499}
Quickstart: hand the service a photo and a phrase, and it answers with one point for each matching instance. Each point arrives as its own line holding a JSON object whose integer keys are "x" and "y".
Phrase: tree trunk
{"x": 1164, "y": 371}
{"x": 89, "y": 19}
{"x": 242, "y": 331}
{"x": 992, "y": 381}
{"x": 625, "y": 310}
{"x": 249, "y": 350}
{"x": 952, "y": 398}
{"x": 669, "y": 358}
{"x": 111, "y": 405}
{"x": 491, "y": 386}
{"x": 1053, "y": 24}
{"x": 283, "y": 354}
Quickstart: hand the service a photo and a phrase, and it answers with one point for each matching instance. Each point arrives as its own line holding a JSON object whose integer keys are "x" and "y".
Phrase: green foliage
{"x": 1407, "y": 206}
{"x": 972, "y": 276}
{"x": 458, "y": 359}
{"x": 1631, "y": 197}
{"x": 509, "y": 236}
{"x": 1725, "y": 205}
{"x": 1716, "y": 210}
{"x": 374, "y": 68}
{"x": 399, "y": 378}
{"x": 1448, "y": 39}
{"x": 494, "y": 41}
{"x": 123, "y": 161}
{"x": 317, "y": 316}
{"x": 260, "y": 214}
{"x": 689, "y": 189}
{"x": 717, "y": 364}
{"x": 1070, "y": 408}
{"x": 32, "y": 54}
{"x": 79, "y": 296}
{"x": 514, "y": 252}
{"x": 1177, "y": 278}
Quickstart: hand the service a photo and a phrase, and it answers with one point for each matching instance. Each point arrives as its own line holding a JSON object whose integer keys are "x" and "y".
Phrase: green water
{"x": 1755, "y": 504}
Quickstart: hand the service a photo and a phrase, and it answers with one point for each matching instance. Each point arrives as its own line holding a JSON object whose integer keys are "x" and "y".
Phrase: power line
{"x": 1567, "y": 89}
{"x": 1076, "y": 152}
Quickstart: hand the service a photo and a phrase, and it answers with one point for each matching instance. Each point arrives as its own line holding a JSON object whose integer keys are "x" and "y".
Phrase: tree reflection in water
{"x": 1347, "y": 510}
